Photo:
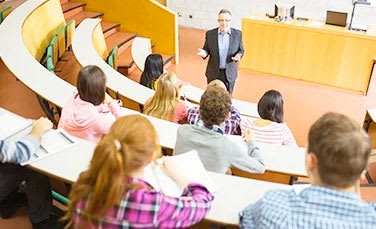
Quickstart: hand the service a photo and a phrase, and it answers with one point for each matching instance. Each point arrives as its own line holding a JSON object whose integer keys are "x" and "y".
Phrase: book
{"x": 53, "y": 141}
{"x": 192, "y": 168}
{"x": 12, "y": 124}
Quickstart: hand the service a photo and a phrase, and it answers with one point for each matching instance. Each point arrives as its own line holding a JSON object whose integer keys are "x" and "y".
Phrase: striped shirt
{"x": 274, "y": 133}
{"x": 18, "y": 152}
{"x": 230, "y": 126}
{"x": 315, "y": 207}
{"x": 147, "y": 208}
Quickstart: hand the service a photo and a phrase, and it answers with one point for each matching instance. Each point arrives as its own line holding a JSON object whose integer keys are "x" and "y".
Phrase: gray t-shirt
{"x": 216, "y": 151}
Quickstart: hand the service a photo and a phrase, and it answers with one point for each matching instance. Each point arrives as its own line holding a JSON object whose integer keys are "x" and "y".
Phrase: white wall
{"x": 205, "y": 12}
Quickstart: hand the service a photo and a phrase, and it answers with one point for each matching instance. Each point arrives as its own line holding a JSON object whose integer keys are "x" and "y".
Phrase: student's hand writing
{"x": 247, "y": 135}
{"x": 40, "y": 126}
{"x": 108, "y": 99}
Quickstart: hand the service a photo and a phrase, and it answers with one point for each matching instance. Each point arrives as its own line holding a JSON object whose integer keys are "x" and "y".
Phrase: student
{"x": 270, "y": 128}
{"x": 230, "y": 126}
{"x": 38, "y": 192}
{"x": 166, "y": 104}
{"x": 90, "y": 113}
{"x": 216, "y": 151}
{"x": 113, "y": 194}
{"x": 152, "y": 70}
{"x": 337, "y": 155}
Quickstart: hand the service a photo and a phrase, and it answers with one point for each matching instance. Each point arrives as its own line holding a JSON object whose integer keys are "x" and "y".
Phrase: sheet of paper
{"x": 192, "y": 168}
{"x": 12, "y": 124}
{"x": 53, "y": 141}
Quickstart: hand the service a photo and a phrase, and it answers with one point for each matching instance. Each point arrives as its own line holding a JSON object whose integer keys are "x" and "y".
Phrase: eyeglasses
{"x": 224, "y": 20}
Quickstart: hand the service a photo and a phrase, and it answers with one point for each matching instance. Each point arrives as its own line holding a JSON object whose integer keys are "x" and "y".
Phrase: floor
{"x": 304, "y": 102}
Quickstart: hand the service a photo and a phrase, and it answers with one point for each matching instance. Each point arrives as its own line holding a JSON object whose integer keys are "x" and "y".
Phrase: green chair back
{"x": 112, "y": 58}
{"x": 4, "y": 12}
{"x": 62, "y": 199}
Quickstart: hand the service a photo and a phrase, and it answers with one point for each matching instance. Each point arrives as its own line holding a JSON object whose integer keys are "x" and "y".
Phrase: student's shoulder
{"x": 277, "y": 201}
{"x": 185, "y": 128}
{"x": 274, "y": 203}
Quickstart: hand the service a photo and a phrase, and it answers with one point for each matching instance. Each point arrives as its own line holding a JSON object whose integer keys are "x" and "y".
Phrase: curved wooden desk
{"x": 140, "y": 50}
{"x": 23, "y": 65}
{"x": 86, "y": 54}
{"x": 232, "y": 196}
{"x": 36, "y": 77}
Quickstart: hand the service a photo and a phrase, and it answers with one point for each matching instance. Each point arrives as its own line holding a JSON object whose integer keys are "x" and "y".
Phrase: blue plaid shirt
{"x": 315, "y": 207}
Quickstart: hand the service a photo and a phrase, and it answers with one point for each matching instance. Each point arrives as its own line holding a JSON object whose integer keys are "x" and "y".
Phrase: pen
{"x": 66, "y": 137}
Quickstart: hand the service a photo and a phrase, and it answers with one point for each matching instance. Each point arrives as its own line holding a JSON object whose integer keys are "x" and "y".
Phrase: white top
{"x": 272, "y": 133}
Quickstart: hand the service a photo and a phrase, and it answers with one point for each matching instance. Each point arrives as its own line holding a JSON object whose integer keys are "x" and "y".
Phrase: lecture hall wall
{"x": 204, "y": 12}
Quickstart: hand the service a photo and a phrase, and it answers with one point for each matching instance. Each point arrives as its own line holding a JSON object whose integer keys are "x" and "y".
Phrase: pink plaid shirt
{"x": 147, "y": 208}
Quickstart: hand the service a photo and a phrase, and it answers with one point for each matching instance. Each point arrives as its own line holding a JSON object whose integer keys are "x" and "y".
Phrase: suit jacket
{"x": 211, "y": 48}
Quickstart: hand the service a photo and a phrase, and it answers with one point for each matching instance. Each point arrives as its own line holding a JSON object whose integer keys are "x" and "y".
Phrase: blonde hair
{"x": 130, "y": 145}
{"x": 162, "y": 105}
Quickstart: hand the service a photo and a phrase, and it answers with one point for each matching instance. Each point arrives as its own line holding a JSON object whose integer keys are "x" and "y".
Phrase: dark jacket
{"x": 211, "y": 47}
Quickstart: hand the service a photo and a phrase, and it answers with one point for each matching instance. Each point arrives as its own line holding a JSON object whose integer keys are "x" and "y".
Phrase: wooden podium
{"x": 310, "y": 51}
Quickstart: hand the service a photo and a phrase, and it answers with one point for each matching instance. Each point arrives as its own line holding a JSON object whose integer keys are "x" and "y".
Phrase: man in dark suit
{"x": 225, "y": 47}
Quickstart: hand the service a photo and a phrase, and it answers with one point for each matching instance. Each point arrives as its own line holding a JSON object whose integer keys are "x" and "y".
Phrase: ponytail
{"x": 129, "y": 146}
{"x": 103, "y": 184}
{"x": 109, "y": 186}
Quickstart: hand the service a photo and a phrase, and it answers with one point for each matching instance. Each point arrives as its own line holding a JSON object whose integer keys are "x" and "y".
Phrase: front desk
{"x": 310, "y": 51}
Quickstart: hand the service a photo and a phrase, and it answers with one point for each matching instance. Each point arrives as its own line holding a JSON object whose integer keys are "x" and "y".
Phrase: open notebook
{"x": 192, "y": 168}
{"x": 12, "y": 124}
{"x": 53, "y": 141}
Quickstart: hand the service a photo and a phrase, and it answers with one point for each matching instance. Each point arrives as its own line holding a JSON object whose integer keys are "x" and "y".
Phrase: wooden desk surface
{"x": 284, "y": 159}
{"x": 312, "y": 25}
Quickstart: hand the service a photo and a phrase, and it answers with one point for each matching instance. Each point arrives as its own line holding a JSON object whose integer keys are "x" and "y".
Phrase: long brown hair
{"x": 91, "y": 84}
{"x": 162, "y": 105}
{"x": 130, "y": 145}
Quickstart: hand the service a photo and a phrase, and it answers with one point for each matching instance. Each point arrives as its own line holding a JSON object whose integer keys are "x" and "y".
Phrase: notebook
{"x": 12, "y": 124}
{"x": 53, "y": 141}
{"x": 192, "y": 168}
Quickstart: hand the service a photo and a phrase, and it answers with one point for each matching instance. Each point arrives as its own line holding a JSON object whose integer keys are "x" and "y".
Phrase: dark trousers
{"x": 222, "y": 77}
{"x": 38, "y": 189}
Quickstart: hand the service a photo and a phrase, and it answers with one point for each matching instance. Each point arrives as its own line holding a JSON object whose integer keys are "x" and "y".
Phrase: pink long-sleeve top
{"x": 84, "y": 120}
